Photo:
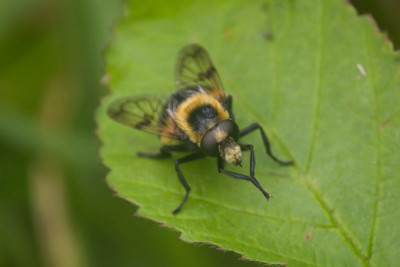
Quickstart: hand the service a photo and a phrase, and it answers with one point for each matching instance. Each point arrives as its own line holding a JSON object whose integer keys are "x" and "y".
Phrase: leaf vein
{"x": 318, "y": 88}
{"x": 193, "y": 196}
{"x": 368, "y": 56}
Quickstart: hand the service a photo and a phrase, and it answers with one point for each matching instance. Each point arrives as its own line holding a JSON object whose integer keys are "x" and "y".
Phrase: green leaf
{"x": 325, "y": 86}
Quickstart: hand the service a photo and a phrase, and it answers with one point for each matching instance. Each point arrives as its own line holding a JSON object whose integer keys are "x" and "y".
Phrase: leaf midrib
{"x": 318, "y": 88}
{"x": 379, "y": 140}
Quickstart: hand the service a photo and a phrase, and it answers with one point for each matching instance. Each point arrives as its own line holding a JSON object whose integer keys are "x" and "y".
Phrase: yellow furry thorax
{"x": 186, "y": 108}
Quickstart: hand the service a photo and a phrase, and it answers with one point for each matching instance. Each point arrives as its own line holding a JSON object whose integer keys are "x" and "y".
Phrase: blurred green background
{"x": 55, "y": 206}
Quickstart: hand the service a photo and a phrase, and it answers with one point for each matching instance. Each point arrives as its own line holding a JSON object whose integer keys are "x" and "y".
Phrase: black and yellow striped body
{"x": 193, "y": 113}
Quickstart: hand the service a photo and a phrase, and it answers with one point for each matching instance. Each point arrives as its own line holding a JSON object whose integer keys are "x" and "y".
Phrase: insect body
{"x": 197, "y": 118}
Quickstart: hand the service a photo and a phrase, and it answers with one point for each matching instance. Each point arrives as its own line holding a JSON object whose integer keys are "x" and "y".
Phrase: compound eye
{"x": 230, "y": 127}
{"x": 209, "y": 145}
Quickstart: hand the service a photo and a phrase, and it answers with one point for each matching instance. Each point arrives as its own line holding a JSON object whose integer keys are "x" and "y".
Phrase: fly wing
{"x": 194, "y": 70}
{"x": 144, "y": 113}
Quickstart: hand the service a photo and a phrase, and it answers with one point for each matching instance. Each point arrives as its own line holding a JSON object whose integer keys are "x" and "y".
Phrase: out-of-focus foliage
{"x": 50, "y": 67}
{"x": 385, "y": 13}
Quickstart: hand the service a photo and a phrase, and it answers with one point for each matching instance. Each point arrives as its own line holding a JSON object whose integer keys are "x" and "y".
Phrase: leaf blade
{"x": 326, "y": 211}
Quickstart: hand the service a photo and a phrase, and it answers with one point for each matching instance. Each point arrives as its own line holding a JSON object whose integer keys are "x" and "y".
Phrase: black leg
{"x": 256, "y": 126}
{"x": 252, "y": 157}
{"x": 160, "y": 155}
{"x": 252, "y": 179}
{"x": 229, "y": 106}
{"x": 182, "y": 179}
{"x": 165, "y": 151}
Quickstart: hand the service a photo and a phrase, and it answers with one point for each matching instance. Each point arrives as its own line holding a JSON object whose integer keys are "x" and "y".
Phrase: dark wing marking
{"x": 195, "y": 69}
{"x": 143, "y": 113}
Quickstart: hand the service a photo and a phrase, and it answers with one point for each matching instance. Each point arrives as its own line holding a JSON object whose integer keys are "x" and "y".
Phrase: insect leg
{"x": 229, "y": 106}
{"x": 182, "y": 179}
{"x": 165, "y": 151}
{"x": 160, "y": 155}
{"x": 267, "y": 145}
{"x": 252, "y": 157}
{"x": 252, "y": 179}
{"x": 252, "y": 160}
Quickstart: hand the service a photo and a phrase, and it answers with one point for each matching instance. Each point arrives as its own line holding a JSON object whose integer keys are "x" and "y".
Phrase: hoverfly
{"x": 198, "y": 115}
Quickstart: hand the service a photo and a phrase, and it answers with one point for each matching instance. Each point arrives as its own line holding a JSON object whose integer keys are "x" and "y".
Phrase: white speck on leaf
{"x": 361, "y": 69}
